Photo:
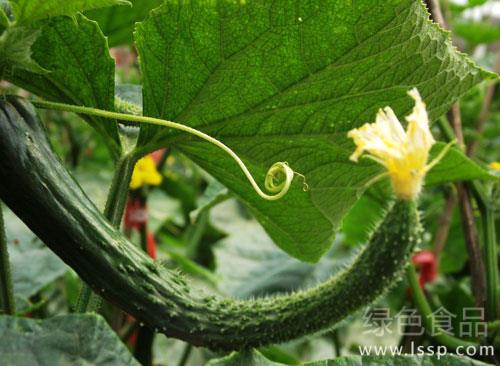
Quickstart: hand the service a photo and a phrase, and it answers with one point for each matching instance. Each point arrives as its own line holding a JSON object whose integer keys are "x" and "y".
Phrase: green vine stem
{"x": 491, "y": 259}
{"x": 113, "y": 211}
{"x": 6, "y": 293}
{"x": 427, "y": 317}
{"x": 84, "y": 299}
{"x": 490, "y": 245}
{"x": 41, "y": 191}
{"x": 273, "y": 181}
{"x": 185, "y": 355}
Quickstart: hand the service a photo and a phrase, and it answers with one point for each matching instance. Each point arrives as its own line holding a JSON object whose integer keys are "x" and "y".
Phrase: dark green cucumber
{"x": 38, "y": 188}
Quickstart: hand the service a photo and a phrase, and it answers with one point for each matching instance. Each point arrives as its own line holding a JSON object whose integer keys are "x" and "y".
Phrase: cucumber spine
{"x": 39, "y": 189}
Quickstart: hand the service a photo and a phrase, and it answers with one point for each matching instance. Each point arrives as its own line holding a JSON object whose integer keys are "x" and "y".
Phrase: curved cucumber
{"x": 39, "y": 189}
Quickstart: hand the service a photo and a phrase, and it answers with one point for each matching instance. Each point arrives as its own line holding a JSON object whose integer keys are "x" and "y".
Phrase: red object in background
{"x": 426, "y": 261}
{"x": 123, "y": 56}
{"x": 136, "y": 214}
{"x": 157, "y": 155}
{"x": 151, "y": 245}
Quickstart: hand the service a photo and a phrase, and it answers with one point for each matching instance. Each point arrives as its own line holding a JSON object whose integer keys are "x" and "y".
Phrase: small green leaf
{"x": 455, "y": 166}
{"x": 255, "y": 358}
{"x": 62, "y": 340}
{"x": 81, "y": 70}
{"x": 4, "y": 20}
{"x": 369, "y": 209}
{"x": 407, "y": 360}
{"x": 15, "y": 50}
{"x": 247, "y": 358}
{"x": 29, "y": 11}
{"x": 214, "y": 194}
{"x": 5, "y": 13}
{"x": 162, "y": 208}
{"x": 284, "y": 81}
{"x": 118, "y": 22}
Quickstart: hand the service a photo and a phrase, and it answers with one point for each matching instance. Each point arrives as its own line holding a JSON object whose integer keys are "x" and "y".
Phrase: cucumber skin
{"x": 39, "y": 189}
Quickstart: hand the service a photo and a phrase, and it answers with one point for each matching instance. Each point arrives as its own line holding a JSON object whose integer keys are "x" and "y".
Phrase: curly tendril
{"x": 278, "y": 179}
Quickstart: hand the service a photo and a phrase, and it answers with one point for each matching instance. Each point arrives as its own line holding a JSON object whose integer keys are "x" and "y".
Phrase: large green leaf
{"x": 118, "y": 22}
{"x": 28, "y": 11}
{"x": 366, "y": 214}
{"x": 284, "y": 81}
{"x": 63, "y": 340}
{"x": 81, "y": 70}
{"x": 34, "y": 266}
{"x": 254, "y": 358}
{"x": 250, "y": 265}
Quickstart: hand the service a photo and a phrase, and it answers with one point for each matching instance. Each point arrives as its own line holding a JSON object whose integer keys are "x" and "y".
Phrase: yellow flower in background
{"x": 404, "y": 154}
{"x": 145, "y": 172}
{"x": 495, "y": 165}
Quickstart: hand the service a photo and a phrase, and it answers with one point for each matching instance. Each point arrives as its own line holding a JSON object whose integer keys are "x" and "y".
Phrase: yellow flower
{"x": 495, "y": 165}
{"x": 145, "y": 172}
{"x": 404, "y": 154}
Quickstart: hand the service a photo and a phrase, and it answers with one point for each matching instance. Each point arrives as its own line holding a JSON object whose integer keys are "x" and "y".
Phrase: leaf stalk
{"x": 113, "y": 211}
{"x": 428, "y": 320}
{"x": 7, "y": 302}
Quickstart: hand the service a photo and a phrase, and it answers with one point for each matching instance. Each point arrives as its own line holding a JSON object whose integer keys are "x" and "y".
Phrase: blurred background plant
{"x": 194, "y": 224}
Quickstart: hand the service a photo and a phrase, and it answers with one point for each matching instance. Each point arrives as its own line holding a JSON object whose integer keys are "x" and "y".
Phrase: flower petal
{"x": 419, "y": 116}
{"x": 403, "y": 154}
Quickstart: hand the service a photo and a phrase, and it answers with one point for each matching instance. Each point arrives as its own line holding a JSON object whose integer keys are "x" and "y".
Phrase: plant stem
{"x": 476, "y": 262}
{"x": 491, "y": 262}
{"x": 436, "y": 14}
{"x": 113, "y": 211}
{"x": 127, "y": 330}
{"x": 455, "y": 119}
{"x": 445, "y": 129}
{"x": 185, "y": 354}
{"x": 143, "y": 351}
{"x": 118, "y": 192}
{"x": 427, "y": 317}
{"x": 6, "y": 293}
{"x": 484, "y": 203}
{"x": 490, "y": 251}
{"x": 83, "y": 299}
{"x": 279, "y": 192}
{"x": 444, "y": 224}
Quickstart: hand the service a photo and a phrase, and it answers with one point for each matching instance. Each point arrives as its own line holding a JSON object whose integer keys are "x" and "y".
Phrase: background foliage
{"x": 276, "y": 81}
